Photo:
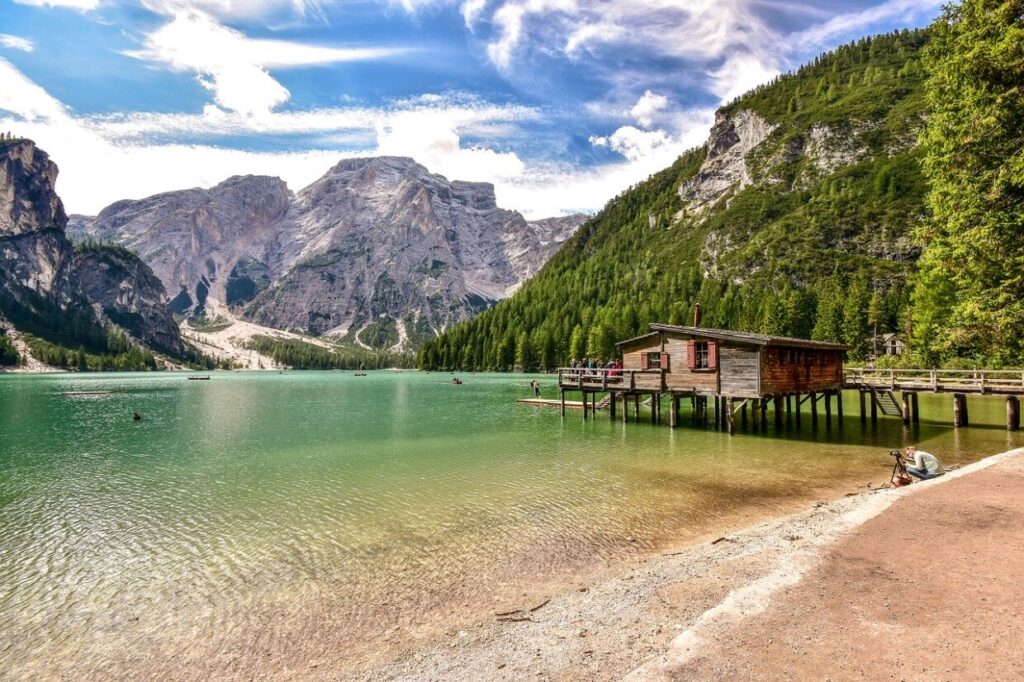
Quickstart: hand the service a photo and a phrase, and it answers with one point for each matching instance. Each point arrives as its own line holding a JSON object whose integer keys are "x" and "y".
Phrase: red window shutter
{"x": 664, "y": 362}
{"x": 691, "y": 354}
{"x": 643, "y": 361}
{"x": 712, "y": 360}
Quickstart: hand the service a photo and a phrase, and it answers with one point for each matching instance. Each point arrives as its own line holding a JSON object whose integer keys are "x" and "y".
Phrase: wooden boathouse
{"x": 732, "y": 371}
{"x": 724, "y": 373}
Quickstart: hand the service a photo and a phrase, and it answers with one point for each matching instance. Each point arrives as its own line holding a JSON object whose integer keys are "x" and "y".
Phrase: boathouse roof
{"x": 736, "y": 337}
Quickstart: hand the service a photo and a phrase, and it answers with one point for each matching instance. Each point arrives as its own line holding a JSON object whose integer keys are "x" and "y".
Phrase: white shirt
{"x": 926, "y": 461}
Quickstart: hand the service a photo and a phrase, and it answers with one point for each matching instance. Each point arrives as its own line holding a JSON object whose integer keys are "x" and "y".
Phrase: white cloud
{"x": 738, "y": 74}
{"x": 16, "y": 42}
{"x": 235, "y": 67}
{"x": 104, "y": 159}
{"x": 647, "y": 107}
{"x": 80, "y": 5}
{"x": 852, "y": 22}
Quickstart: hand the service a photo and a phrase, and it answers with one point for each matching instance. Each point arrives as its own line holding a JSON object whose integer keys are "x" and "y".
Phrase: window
{"x": 700, "y": 355}
{"x": 654, "y": 361}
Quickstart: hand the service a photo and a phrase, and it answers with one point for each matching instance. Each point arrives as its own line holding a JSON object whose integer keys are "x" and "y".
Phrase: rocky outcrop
{"x": 726, "y": 168}
{"x": 378, "y": 249}
{"x": 43, "y": 276}
{"x": 126, "y": 292}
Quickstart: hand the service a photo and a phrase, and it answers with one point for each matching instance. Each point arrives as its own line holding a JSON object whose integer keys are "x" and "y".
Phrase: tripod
{"x": 899, "y": 467}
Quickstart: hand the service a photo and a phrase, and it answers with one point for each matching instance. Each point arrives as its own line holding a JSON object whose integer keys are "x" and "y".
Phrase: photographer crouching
{"x": 922, "y": 465}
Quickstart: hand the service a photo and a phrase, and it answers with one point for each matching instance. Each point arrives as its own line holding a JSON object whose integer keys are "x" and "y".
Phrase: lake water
{"x": 257, "y": 522}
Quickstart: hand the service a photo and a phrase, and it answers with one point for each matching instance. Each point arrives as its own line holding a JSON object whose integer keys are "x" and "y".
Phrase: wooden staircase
{"x": 886, "y": 402}
{"x": 604, "y": 402}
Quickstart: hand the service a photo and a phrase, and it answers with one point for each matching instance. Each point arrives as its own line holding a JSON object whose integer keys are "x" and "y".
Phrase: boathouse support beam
{"x": 814, "y": 409}
{"x": 839, "y": 406}
{"x": 906, "y": 407}
{"x": 1012, "y": 413}
{"x": 915, "y": 413}
{"x": 959, "y": 410}
{"x": 828, "y": 409}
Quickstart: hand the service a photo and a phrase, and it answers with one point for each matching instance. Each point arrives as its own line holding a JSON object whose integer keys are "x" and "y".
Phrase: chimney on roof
{"x": 696, "y": 315}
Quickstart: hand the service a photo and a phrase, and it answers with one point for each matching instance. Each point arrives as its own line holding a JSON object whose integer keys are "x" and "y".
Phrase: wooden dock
{"x": 544, "y": 402}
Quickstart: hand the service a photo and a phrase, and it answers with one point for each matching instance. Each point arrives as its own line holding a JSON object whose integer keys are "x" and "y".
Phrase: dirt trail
{"x": 930, "y": 589}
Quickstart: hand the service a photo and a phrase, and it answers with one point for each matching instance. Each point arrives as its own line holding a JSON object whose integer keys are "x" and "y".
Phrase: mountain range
{"x": 378, "y": 252}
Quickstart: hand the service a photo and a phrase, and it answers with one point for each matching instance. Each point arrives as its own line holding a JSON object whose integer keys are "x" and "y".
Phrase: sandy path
{"x": 930, "y": 589}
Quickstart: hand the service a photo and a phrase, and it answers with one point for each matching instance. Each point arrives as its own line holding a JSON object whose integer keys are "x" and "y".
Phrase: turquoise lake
{"x": 257, "y": 520}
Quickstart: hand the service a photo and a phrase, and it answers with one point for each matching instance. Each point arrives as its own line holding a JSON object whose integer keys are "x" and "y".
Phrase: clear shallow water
{"x": 259, "y": 521}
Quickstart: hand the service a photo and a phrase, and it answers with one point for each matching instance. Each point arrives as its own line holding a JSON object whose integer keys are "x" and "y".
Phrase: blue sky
{"x": 560, "y": 103}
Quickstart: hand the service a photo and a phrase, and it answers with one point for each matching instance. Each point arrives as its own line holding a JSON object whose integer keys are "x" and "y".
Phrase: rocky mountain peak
{"x": 725, "y": 169}
{"x": 378, "y": 249}
{"x": 41, "y": 273}
{"x": 28, "y": 199}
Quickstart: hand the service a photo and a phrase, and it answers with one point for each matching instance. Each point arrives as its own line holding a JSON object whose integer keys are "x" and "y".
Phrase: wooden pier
{"x": 733, "y": 378}
{"x": 880, "y": 385}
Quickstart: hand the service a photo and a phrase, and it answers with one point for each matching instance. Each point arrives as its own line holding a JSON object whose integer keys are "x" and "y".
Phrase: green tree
{"x": 576, "y": 344}
{"x": 969, "y": 293}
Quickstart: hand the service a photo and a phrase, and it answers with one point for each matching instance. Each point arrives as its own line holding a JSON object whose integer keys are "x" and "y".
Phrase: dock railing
{"x": 1004, "y": 381}
{"x": 603, "y": 379}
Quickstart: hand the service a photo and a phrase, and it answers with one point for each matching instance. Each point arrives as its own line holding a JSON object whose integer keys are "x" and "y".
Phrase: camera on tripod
{"x": 899, "y": 470}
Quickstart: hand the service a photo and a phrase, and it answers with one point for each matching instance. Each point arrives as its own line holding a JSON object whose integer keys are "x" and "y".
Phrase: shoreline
{"x": 639, "y": 621}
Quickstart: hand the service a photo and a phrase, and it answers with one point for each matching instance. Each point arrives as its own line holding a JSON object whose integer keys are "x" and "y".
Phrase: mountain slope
{"x": 378, "y": 250}
{"x": 794, "y": 218}
{"x": 91, "y": 300}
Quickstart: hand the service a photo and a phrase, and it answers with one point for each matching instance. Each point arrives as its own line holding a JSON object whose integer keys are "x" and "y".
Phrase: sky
{"x": 562, "y": 104}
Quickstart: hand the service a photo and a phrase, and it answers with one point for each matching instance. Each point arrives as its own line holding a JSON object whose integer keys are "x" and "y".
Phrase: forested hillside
{"x": 796, "y": 218}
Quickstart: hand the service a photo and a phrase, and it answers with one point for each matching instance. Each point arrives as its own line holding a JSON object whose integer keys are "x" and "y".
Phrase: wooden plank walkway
{"x": 982, "y": 381}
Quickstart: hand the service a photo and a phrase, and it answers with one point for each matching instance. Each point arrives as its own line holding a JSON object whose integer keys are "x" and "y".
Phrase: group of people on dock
{"x": 613, "y": 368}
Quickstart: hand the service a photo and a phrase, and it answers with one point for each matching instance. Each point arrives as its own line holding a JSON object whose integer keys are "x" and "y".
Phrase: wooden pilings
{"x": 960, "y": 415}
{"x": 906, "y": 408}
{"x": 1013, "y": 413}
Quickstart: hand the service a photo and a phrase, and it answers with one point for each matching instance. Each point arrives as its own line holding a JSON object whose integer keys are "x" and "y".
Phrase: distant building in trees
{"x": 886, "y": 344}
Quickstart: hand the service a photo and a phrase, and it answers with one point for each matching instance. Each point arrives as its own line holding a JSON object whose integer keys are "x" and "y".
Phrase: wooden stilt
{"x": 789, "y": 410}
{"x": 906, "y": 407}
{"x": 584, "y": 405}
{"x": 958, "y": 410}
{"x": 716, "y": 416}
{"x": 915, "y": 415}
{"x": 673, "y": 406}
{"x": 839, "y": 406}
{"x": 562, "y": 392}
{"x": 874, "y": 409}
{"x": 1012, "y": 413}
{"x": 636, "y": 407}
{"x": 796, "y": 399}
{"x": 743, "y": 415}
{"x": 729, "y": 417}
{"x": 764, "y": 414}
{"x": 611, "y": 405}
{"x": 863, "y": 407}
{"x": 777, "y": 404}
{"x": 828, "y": 409}
{"x": 814, "y": 409}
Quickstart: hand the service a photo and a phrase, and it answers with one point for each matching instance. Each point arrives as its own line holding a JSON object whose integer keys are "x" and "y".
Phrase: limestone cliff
{"x": 43, "y": 278}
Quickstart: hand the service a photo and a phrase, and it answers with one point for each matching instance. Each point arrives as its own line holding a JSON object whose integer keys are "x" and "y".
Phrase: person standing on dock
{"x": 924, "y": 465}
{"x": 535, "y": 385}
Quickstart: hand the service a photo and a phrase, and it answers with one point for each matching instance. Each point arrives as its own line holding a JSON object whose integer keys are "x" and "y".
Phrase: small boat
{"x": 456, "y": 381}
{"x": 199, "y": 378}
